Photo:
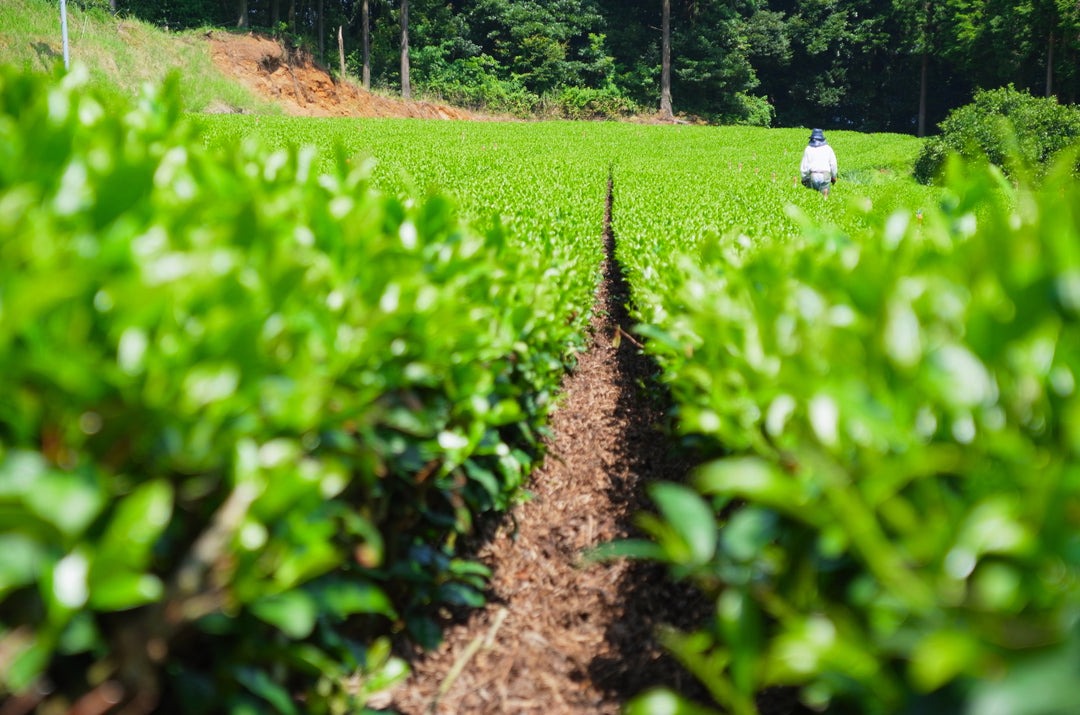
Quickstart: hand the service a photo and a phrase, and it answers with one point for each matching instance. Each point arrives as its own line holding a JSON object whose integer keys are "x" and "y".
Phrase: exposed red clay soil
{"x": 292, "y": 80}
{"x": 295, "y": 82}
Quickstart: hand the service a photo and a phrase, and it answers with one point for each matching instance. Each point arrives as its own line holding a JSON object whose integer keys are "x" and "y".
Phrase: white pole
{"x": 63, "y": 30}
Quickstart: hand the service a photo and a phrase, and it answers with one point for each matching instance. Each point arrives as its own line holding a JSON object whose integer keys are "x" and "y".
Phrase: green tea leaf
{"x": 294, "y": 612}
{"x": 665, "y": 702}
{"x": 261, "y": 684}
{"x": 940, "y": 657}
{"x": 117, "y": 590}
{"x": 22, "y": 561}
{"x": 688, "y": 516}
{"x": 343, "y": 598}
{"x": 138, "y": 521}
{"x": 750, "y": 478}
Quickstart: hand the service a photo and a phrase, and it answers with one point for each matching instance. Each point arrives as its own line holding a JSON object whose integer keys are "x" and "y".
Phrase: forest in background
{"x": 871, "y": 65}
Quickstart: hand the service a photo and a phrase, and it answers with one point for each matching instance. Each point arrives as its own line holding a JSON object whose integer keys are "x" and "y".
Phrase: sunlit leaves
{"x": 240, "y": 378}
{"x": 894, "y": 375}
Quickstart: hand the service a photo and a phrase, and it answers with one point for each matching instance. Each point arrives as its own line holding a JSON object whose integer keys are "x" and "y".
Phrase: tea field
{"x": 260, "y": 376}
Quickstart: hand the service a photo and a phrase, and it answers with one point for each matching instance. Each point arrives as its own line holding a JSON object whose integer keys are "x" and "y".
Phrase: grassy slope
{"x": 120, "y": 53}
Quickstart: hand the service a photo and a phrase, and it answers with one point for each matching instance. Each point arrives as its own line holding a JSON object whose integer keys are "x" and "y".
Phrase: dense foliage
{"x": 837, "y": 63}
{"x": 1008, "y": 128}
{"x": 249, "y": 405}
{"x": 254, "y": 395}
{"x": 890, "y": 383}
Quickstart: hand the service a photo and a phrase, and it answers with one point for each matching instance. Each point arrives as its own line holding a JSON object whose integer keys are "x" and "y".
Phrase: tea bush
{"x": 1007, "y": 127}
{"x": 890, "y": 384}
{"x": 249, "y": 404}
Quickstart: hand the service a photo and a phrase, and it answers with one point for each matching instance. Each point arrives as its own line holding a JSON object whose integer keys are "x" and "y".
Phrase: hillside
{"x": 218, "y": 71}
{"x": 293, "y": 81}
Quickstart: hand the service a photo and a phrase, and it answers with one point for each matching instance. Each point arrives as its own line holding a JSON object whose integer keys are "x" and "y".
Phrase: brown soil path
{"x": 561, "y": 636}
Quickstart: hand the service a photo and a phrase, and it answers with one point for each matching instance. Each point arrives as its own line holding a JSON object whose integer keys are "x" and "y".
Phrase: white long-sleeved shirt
{"x": 818, "y": 159}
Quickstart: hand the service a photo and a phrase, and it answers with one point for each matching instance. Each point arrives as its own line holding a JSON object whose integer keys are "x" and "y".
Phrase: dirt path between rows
{"x": 561, "y": 636}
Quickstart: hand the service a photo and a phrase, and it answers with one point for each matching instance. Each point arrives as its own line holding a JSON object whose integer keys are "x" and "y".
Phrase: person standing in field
{"x": 818, "y": 166}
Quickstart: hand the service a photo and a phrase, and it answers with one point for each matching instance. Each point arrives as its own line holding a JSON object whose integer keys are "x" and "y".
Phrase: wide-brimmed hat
{"x": 817, "y": 138}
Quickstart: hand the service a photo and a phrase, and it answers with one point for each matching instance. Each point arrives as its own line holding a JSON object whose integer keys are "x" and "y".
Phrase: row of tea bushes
{"x": 249, "y": 404}
{"x": 895, "y": 521}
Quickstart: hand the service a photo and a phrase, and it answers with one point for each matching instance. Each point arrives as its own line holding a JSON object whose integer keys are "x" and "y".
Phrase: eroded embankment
{"x": 560, "y": 635}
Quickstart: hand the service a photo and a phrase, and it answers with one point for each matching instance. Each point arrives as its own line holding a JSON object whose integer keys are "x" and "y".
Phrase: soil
{"x": 301, "y": 87}
{"x": 294, "y": 81}
{"x": 562, "y": 634}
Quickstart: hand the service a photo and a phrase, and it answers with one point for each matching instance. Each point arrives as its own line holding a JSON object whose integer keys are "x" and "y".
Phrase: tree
{"x": 665, "y": 61}
{"x": 830, "y": 62}
{"x": 866, "y": 64}
{"x": 1067, "y": 78}
{"x": 406, "y": 89}
{"x": 1058, "y": 21}
{"x": 541, "y": 46}
{"x": 919, "y": 17}
{"x": 365, "y": 22}
{"x": 710, "y": 67}
{"x": 321, "y": 29}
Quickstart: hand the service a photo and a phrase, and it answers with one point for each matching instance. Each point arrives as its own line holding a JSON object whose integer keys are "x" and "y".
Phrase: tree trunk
{"x": 341, "y": 51}
{"x": 366, "y": 31}
{"x": 665, "y": 62}
{"x": 322, "y": 32}
{"x": 1070, "y": 98}
{"x": 1050, "y": 65}
{"x": 275, "y": 13}
{"x": 923, "y": 79}
{"x": 924, "y": 62}
{"x": 406, "y": 89}
{"x": 242, "y": 20}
